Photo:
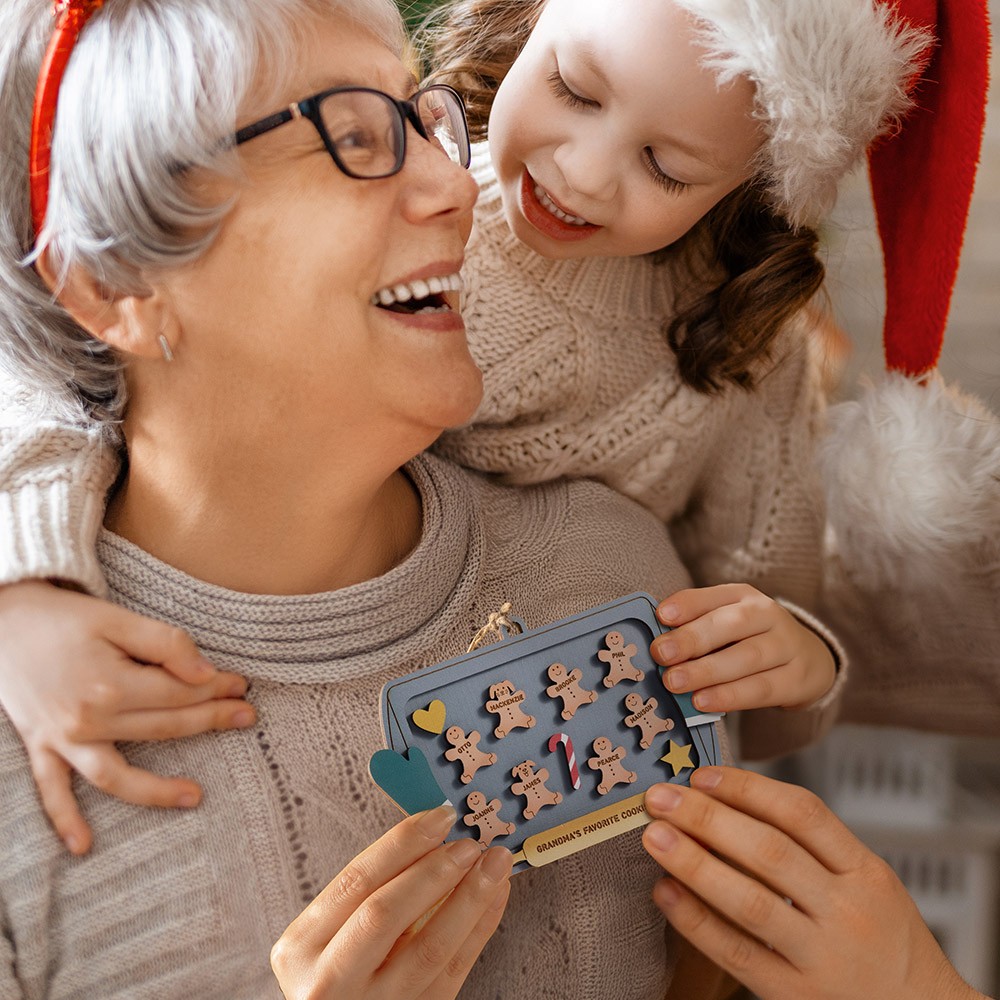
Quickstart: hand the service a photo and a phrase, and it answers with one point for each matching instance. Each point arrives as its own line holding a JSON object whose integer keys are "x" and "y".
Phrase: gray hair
{"x": 151, "y": 88}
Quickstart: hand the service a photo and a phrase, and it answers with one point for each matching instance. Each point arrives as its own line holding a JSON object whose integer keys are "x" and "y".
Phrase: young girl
{"x": 680, "y": 376}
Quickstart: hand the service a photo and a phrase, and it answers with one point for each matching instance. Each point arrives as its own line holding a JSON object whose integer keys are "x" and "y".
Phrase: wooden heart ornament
{"x": 430, "y": 719}
{"x": 407, "y": 780}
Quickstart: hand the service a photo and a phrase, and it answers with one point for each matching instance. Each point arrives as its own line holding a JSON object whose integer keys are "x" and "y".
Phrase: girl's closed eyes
{"x": 567, "y": 95}
{"x": 563, "y": 91}
{"x": 660, "y": 176}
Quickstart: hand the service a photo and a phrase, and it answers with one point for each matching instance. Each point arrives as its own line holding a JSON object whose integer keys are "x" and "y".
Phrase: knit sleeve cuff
{"x": 54, "y": 481}
{"x": 840, "y": 660}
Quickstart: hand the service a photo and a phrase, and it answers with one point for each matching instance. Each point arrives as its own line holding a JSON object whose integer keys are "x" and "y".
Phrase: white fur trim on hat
{"x": 912, "y": 479}
{"x": 831, "y": 76}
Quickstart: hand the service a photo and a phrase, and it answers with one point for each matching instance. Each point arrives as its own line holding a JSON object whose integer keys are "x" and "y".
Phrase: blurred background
{"x": 415, "y": 10}
{"x": 971, "y": 354}
{"x": 929, "y": 804}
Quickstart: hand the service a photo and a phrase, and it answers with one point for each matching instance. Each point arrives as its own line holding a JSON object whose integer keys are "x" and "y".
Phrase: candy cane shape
{"x": 574, "y": 772}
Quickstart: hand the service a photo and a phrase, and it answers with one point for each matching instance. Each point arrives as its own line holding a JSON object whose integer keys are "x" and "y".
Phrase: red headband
{"x": 71, "y": 16}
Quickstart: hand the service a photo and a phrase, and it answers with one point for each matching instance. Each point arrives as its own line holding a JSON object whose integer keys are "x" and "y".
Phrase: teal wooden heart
{"x": 408, "y": 780}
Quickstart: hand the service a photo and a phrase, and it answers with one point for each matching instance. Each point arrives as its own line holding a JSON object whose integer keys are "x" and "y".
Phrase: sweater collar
{"x": 327, "y": 636}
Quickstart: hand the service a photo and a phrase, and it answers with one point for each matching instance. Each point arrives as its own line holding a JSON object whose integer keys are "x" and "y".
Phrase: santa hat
{"x": 913, "y": 467}
{"x": 830, "y": 76}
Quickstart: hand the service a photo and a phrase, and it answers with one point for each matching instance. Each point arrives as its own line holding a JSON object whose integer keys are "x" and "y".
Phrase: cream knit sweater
{"x": 580, "y": 381}
{"x": 175, "y": 904}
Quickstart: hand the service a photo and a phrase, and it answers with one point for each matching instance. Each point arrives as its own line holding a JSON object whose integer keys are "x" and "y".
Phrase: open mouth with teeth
{"x": 544, "y": 214}
{"x": 546, "y": 199}
{"x": 421, "y": 296}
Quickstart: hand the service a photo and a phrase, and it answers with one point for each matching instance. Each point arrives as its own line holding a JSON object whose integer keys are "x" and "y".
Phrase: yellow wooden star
{"x": 679, "y": 756}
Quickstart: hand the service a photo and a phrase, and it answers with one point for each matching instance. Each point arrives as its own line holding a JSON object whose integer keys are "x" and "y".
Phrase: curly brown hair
{"x": 471, "y": 44}
{"x": 745, "y": 271}
{"x": 748, "y": 272}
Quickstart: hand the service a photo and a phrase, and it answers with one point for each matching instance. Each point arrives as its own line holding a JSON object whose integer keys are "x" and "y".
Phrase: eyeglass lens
{"x": 444, "y": 123}
{"x": 367, "y": 130}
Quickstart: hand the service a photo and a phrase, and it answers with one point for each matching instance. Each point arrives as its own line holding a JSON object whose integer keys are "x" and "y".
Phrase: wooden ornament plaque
{"x": 561, "y": 804}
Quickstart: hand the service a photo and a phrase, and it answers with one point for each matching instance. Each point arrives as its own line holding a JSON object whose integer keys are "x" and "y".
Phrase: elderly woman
{"x": 253, "y": 226}
{"x": 248, "y": 214}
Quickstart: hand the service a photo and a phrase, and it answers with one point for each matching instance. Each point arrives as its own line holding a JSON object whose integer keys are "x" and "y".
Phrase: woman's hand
{"x": 772, "y": 887}
{"x": 357, "y": 938}
{"x": 738, "y": 649}
{"x": 77, "y": 673}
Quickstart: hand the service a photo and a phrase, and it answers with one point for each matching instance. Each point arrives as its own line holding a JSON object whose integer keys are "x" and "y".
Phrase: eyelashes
{"x": 571, "y": 98}
{"x": 665, "y": 181}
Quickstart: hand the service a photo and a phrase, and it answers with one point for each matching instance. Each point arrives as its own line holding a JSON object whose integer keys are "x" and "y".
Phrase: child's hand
{"x": 357, "y": 937}
{"x": 71, "y": 685}
{"x": 772, "y": 887}
{"x": 739, "y": 649}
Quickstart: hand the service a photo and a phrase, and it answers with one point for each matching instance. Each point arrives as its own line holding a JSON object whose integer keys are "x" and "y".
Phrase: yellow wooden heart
{"x": 431, "y": 718}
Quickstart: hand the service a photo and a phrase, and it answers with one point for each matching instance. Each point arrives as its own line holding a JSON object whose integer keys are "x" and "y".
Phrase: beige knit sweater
{"x": 580, "y": 381}
{"x": 174, "y": 904}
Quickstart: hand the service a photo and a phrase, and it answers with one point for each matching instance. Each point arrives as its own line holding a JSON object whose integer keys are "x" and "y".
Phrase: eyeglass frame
{"x": 309, "y": 108}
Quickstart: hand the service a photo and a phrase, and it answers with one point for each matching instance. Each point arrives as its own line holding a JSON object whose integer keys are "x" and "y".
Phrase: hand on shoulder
{"x": 78, "y": 674}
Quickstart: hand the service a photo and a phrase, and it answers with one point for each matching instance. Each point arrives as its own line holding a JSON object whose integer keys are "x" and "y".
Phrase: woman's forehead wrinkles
{"x": 401, "y": 84}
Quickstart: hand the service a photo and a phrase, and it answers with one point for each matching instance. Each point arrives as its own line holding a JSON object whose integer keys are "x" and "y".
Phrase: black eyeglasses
{"x": 364, "y": 130}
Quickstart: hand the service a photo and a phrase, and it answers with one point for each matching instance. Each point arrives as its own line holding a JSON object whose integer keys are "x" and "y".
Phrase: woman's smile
{"x": 429, "y": 298}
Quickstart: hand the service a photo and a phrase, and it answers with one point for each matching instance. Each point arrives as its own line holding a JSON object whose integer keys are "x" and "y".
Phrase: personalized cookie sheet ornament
{"x": 497, "y": 731}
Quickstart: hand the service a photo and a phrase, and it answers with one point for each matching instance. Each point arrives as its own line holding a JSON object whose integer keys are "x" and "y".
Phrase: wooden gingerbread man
{"x": 609, "y": 763}
{"x": 466, "y": 749}
{"x": 618, "y": 656}
{"x": 644, "y": 716}
{"x": 486, "y": 815}
{"x": 532, "y": 786}
{"x": 567, "y": 686}
{"x": 505, "y": 702}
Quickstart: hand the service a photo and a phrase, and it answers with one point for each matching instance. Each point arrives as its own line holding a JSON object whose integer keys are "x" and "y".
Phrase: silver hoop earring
{"x": 168, "y": 354}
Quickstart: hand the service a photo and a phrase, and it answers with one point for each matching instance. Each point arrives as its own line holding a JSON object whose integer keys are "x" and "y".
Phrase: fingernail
{"x": 188, "y": 800}
{"x": 204, "y": 667}
{"x": 668, "y": 612}
{"x": 662, "y": 798}
{"x": 706, "y": 778}
{"x": 463, "y": 852}
{"x": 497, "y": 863}
{"x": 676, "y": 680}
{"x": 436, "y": 823}
{"x": 72, "y": 843}
{"x": 237, "y": 689}
{"x": 703, "y": 702}
{"x": 666, "y": 649}
{"x": 244, "y": 717}
{"x": 661, "y": 836}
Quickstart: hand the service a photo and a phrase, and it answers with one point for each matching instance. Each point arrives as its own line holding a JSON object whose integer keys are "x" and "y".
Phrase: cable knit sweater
{"x": 580, "y": 381}
{"x": 187, "y": 904}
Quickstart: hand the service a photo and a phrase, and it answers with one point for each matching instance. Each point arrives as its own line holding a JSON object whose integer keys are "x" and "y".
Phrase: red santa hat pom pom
{"x": 912, "y": 476}
{"x": 913, "y": 468}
